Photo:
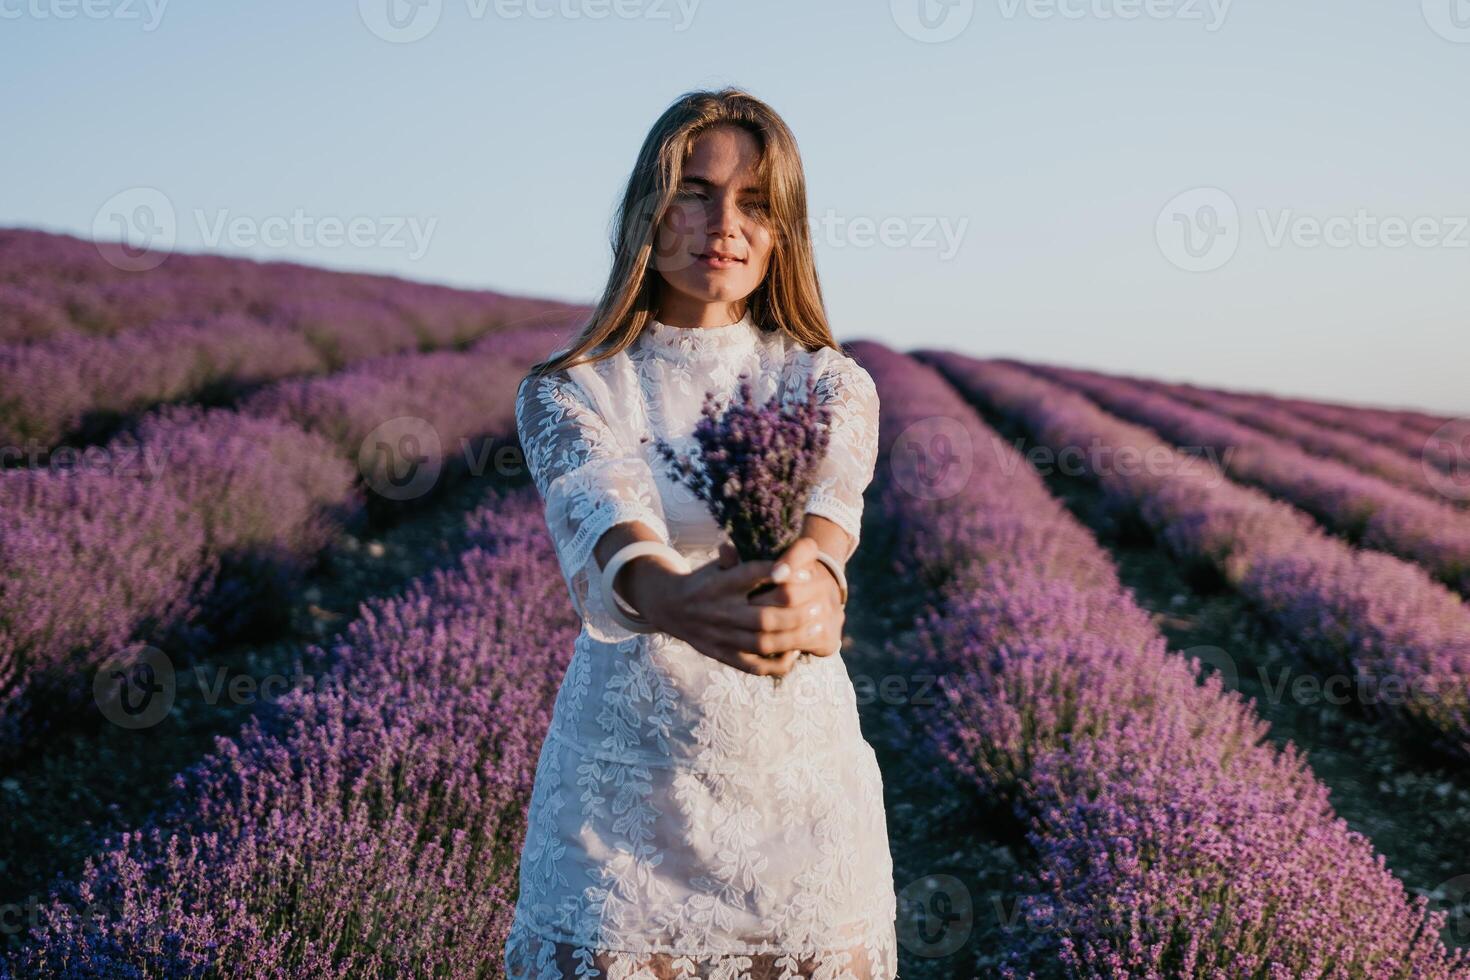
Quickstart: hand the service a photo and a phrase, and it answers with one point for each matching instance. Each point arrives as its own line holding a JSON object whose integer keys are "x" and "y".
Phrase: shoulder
{"x": 573, "y": 380}
{"x": 845, "y": 366}
{"x": 547, "y": 392}
{"x": 831, "y": 369}
{"x": 539, "y": 385}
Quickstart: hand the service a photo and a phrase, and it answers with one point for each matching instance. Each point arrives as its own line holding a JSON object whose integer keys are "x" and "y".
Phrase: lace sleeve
{"x": 590, "y": 482}
{"x": 847, "y": 389}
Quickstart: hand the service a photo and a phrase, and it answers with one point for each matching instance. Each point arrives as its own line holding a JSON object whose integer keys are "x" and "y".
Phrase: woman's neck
{"x": 701, "y": 315}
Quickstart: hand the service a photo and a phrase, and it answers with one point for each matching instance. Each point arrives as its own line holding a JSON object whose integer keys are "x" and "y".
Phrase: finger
{"x": 781, "y": 619}
{"x": 740, "y": 659}
{"x": 733, "y": 614}
{"x": 729, "y": 557}
{"x": 754, "y": 663}
{"x": 750, "y": 664}
{"x": 788, "y": 596}
{"x": 744, "y": 642}
{"x": 778, "y": 665}
{"x": 747, "y": 575}
{"x": 803, "y": 571}
{"x": 798, "y": 588}
{"x": 812, "y": 634}
{"x": 747, "y": 616}
{"x": 802, "y": 551}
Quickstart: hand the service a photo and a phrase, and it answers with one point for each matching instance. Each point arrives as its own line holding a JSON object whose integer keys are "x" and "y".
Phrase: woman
{"x": 690, "y": 817}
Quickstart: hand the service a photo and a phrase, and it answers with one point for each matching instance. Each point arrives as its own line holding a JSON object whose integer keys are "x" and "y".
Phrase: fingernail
{"x": 781, "y": 572}
{"x": 817, "y": 626}
{"x": 805, "y": 575}
{"x": 813, "y": 609}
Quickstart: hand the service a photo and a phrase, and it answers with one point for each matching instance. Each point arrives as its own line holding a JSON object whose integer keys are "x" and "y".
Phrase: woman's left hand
{"x": 809, "y": 586}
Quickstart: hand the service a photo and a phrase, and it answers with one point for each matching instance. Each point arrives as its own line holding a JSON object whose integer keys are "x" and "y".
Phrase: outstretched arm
{"x": 600, "y": 495}
{"x": 643, "y": 579}
{"x": 591, "y": 482}
{"x": 708, "y": 607}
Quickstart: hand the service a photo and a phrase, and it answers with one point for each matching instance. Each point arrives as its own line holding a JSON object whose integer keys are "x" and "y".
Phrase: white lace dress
{"x": 689, "y": 819}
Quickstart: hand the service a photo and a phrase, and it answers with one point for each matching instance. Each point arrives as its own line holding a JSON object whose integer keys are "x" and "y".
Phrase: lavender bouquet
{"x": 754, "y": 468}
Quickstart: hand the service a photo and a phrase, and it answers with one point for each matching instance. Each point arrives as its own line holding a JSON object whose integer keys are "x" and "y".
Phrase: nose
{"x": 724, "y": 220}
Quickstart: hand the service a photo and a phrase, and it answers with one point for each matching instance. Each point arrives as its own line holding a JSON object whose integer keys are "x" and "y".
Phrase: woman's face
{"x": 714, "y": 243}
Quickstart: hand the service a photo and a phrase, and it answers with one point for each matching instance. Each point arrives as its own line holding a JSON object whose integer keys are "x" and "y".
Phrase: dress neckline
{"x": 685, "y": 342}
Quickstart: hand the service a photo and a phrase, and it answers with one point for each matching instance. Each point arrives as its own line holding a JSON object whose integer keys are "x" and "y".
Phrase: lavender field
{"x": 1164, "y": 680}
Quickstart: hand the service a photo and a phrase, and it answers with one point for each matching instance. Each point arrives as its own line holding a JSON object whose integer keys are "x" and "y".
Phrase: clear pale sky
{"x": 1008, "y": 190}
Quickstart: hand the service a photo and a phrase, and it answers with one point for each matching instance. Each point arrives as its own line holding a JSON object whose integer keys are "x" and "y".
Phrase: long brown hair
{"x": 788, "y": 298}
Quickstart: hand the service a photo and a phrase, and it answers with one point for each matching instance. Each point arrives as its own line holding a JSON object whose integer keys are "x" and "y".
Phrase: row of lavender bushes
{"x": 1168, "y": 838}
{"x": 202, "y": 520}
{"x": 1404, "y": 428}
{"x": 200, "y": 341}
{"x": 52, "y": 285}
{"x": 368, "y": 826}
{"x": 1423, "y": 438}
{"x": 1399, "y": 637}
{"x": 462, "y": 396}
{"x": 93, "y": 559}
{"x": 1358, "y": 450}
{"x": 1365, "y": 509}
{"x": 1386, "y": 422}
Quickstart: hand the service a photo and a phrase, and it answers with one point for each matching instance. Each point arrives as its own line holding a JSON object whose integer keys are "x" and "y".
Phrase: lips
{"x": 719, "y": 260}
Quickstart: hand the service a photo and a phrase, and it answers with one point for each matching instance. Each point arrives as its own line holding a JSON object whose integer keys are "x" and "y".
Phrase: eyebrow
{"x": 704, "y": 182}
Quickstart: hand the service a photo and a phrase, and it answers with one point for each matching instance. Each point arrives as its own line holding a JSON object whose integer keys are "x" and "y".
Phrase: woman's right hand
{"x": 709, "y": 608}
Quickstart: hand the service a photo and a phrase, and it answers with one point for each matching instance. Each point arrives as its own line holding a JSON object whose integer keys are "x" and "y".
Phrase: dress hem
{"x": 878, "y": 931}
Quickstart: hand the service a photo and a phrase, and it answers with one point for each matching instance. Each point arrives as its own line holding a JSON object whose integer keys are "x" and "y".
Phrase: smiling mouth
{"x": 719, "y": 262}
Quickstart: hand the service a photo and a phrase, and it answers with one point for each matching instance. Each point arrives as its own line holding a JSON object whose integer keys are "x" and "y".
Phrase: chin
{"x": 714, "y": 290}
{"x": 728, "y": 293}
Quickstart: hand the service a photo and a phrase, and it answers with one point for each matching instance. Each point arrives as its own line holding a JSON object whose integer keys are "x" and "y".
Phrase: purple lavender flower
{"x": 755, "y": 467}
